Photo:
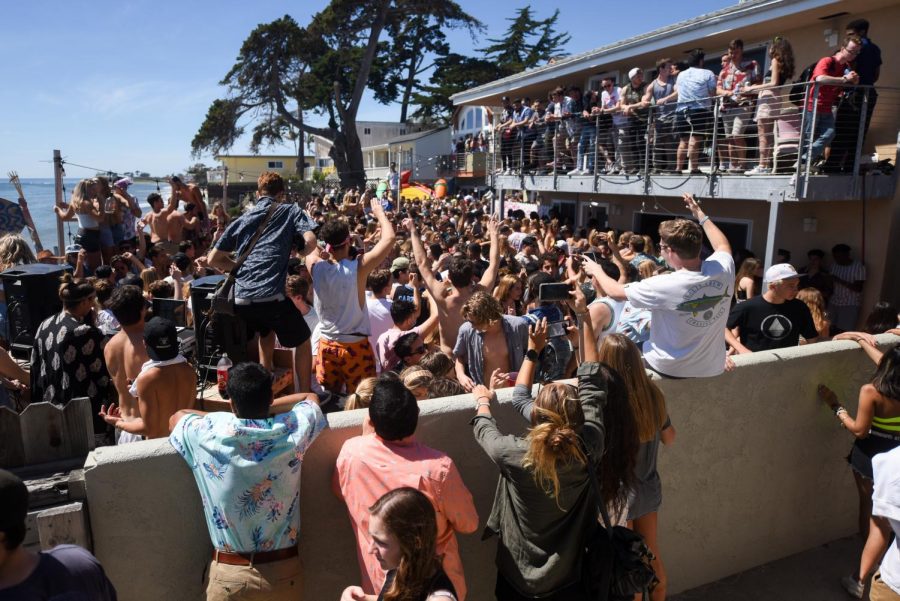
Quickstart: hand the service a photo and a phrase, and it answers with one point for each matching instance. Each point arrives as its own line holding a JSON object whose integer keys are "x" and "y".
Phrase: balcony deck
{"x": 757, "y": 187}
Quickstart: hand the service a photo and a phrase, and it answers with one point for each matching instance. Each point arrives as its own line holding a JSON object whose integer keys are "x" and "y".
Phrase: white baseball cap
{"x": 781, "y": 271}
{"x": 633, "y": 72}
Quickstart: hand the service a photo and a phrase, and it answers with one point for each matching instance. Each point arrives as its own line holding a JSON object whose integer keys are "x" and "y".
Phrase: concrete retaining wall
{"x": 757, "y": 473}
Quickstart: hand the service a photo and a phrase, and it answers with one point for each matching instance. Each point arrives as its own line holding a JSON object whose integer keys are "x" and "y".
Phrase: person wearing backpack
{"x": 830, "y": 73}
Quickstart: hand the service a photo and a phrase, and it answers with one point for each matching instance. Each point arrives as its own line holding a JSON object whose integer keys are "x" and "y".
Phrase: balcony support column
{"x": 775, "y": 200}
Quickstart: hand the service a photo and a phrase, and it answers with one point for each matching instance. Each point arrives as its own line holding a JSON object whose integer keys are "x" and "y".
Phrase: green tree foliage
{"x": 416, "y": 34}
{"x": 197, "y": 171}
{"x": 527, "y": 43}
{"x": 452, "y": 73}
{"x": 284, "y": 70}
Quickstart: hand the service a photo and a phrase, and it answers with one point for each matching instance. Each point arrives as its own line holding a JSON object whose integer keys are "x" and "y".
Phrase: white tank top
{"x": 336, "y": 301}
{"x": 615, "y": 307}
{"x": 87, "y": 221}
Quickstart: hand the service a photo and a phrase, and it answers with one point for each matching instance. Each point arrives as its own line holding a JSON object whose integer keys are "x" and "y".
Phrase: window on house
{"x": 470, "y": 119}
{"x": 367, "y": 131}
{"x": 276, "y": 165}
{"x": 478, "y": 121}
{"x": 402, "y": 132}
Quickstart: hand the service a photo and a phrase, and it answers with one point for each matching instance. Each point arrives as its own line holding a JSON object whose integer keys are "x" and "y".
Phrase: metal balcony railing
{"x": 797, "y": 130}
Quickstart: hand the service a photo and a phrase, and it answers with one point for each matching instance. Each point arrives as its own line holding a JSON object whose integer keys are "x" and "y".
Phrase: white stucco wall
{"x": 757, "y": 473}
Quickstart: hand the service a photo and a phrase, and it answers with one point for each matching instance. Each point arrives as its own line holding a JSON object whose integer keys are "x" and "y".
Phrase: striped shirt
{"x": 852, "y": 272}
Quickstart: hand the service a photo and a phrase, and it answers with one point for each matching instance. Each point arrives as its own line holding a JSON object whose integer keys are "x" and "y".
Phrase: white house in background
{"x": 471, "y": 121}
{"x": 419, "y": 152}
{"x": 371, "y": 133}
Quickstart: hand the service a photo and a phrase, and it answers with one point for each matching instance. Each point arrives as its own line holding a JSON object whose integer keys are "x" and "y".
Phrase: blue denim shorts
{"x": 106, "y": 237}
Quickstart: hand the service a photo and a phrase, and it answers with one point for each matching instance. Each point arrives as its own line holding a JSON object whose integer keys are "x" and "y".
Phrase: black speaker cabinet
{"x": 221, "y": 334}
{"x": 32, "y": 295}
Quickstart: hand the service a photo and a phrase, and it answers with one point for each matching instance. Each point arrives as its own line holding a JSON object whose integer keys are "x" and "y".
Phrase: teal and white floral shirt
{"x": 248, "y": 473}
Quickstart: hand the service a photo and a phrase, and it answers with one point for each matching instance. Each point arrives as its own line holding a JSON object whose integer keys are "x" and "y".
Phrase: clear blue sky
{"x": 124, "y": 85}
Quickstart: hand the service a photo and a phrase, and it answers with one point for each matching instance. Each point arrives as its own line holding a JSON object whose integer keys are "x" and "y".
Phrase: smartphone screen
{"x": 554, "y": 292}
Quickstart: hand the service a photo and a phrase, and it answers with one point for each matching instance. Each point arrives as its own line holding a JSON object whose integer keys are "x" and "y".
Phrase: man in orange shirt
{"x": 369, "y": 466}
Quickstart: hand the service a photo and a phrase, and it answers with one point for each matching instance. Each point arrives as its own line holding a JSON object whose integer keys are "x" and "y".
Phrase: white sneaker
{"x": 575, "y": 171}
{"x": 758, "y": 170}
{"x": 853, "y": 586}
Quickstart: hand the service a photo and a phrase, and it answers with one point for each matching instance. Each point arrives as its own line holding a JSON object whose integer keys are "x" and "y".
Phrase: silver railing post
{"x": 713, "y": 159}
{"x": 802, "y": 141}
{"x": 650, "y": 116}
{"x": 596, "y": 144}
{"x": 812, "y": 137}
{"x": 861, "y": 131}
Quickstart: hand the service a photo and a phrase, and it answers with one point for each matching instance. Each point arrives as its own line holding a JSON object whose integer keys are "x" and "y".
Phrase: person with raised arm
{"x": 690, "y": 306}
{"x": 450, "y": 301}
{"x": 345, "y": 355}
{"x": 545, "y": 504}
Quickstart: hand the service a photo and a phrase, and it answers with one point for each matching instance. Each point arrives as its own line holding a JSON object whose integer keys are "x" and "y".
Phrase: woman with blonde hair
{"x": 417, "y": 380}
{"x": 362, "y": 395}
{"x": 545, "y": 504}
{"x": 816, "y": 303}
{"x": 85, "y": 208}
{"x": 13, "y": 251}
{"x": 148, "y": 276}
{"x": 403, "y": 528}
{"x": 509, "y": 292}
{"x": 653, "y": 426}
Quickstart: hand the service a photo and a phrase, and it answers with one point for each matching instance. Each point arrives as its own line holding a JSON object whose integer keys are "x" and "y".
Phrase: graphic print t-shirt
{"x": 689, "y": 310}
{"x": 765, "y": 326}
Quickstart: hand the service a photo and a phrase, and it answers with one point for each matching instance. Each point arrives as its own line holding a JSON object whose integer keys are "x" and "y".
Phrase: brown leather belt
{"x": 249, "y": 559}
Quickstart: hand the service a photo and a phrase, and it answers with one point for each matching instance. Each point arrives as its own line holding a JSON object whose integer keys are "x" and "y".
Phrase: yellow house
{"x": 248, "y": 167}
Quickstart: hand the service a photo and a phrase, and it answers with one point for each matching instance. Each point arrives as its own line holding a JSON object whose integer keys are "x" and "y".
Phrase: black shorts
{"x": 282, "y": 317}
{"x": 88, "y": 239}
{"x": 697, "y": 122}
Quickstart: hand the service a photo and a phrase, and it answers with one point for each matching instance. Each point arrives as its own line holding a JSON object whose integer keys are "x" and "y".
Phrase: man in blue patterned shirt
{"x": 247, "y": 467}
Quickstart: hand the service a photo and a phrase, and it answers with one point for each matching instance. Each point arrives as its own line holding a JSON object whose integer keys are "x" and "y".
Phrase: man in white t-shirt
{"x": 379, "y": 307}
{"x": 689, "y": 307}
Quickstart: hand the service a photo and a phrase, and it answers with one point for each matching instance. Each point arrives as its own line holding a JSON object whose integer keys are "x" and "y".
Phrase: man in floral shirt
{"x": 247, "y": 467}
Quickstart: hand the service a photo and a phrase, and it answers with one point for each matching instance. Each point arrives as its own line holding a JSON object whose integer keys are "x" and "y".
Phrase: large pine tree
{"x": 527, "y": 43}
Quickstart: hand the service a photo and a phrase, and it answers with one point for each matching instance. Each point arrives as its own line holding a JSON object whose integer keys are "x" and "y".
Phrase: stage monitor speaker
{"x": 32, "y": 295}
{"x": 221, "y": 334}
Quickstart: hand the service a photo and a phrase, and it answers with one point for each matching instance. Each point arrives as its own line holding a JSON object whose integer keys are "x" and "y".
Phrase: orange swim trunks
{"x": 341, "y": 364}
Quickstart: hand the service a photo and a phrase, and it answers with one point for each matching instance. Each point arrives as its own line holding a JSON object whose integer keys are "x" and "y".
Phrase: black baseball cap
{"x": 161, "y": 339}
{"x": 13, "y": 501}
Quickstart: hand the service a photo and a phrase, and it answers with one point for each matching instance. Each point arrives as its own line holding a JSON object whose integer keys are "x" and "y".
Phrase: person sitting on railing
{"x": 737, "y": 106}
{"x": 632, "y": 132}
{"x": 695, "y": 87}
{"x": 661, "y": 95}
{"x": 771, "y": 99}
{"x": 824, "y": 91}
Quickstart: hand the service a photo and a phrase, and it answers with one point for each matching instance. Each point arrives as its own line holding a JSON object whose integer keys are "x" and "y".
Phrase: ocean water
{"x": 41, "y": 193}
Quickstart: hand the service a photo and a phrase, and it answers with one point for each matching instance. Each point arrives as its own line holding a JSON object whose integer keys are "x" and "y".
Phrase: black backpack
{"x": 799, "y": 89}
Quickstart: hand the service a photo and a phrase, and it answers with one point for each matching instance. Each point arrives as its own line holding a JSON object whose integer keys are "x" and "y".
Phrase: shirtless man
{"x": 450, "y": 300}
{"x": 125, "y": 352}
{"x": 184, "y": 224}
{"x": 490, "y": 345}
{"x": 191, "y": 194}
{"x": 165, "y": 385}
{"x": 158, "y": 219}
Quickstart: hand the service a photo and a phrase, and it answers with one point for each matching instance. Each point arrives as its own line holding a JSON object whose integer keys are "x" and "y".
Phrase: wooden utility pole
{"x": 58, "y": 181}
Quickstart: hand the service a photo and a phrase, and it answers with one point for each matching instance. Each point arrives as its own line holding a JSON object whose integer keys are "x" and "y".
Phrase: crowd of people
{"x": 383, "y": 306}
{"x": 666, "y": 125}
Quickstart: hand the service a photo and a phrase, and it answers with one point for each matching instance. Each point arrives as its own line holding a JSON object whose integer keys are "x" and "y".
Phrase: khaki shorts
{"x": 275, "y": 581}
{"x": 880, "y": 591}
